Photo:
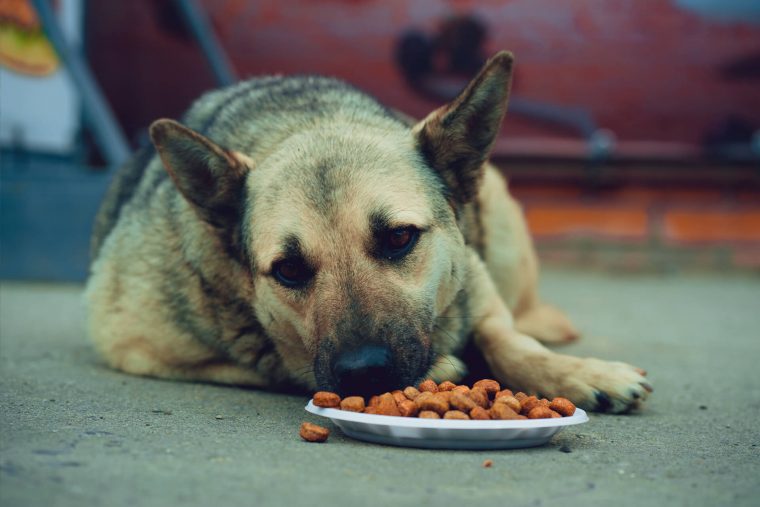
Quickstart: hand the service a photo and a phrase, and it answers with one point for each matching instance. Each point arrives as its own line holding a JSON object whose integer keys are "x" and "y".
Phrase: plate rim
{"x": 579, "y": 417}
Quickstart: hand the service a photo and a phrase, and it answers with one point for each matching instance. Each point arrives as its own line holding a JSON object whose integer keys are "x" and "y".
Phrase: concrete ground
{"x": 75, "y": 433}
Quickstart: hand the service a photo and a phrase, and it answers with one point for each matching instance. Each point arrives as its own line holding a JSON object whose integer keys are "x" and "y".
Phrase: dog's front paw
{"x": 606, "y": 386}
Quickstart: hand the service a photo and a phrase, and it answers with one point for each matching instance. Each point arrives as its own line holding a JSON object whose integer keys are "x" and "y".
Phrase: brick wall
{"x": 647, "y": 70}
{"x": 645, "y": 225}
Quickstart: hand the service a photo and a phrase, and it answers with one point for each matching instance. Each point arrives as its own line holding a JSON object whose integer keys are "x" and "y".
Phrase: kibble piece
{"x": 434, "y": 403}
{"x": 326, "y": 399}
{"x": 456, "y": 414}
{"x": 387, "y": 405}
{"x": 563, "y": 406}
{"x": 352, "y": 404}
{"x": 428, "y": 414}
{"x": 479, "y": 396}
{"x": 502, "y": 412}
{"x": 488, "y": 463}
{"x": 502, "y": 393}
{"x": 520, "y": 396}
{"x": 461, "y": 402}
{"x": 461, "y": 389}
{"x": 446, "y": 386}
{"x": 408, "y": 408}
{"x": 491, "y": 386}
{"x": 541, "y": 412}
{"x": 313, "y": 433}
{"x": 446, "y": 395}
{"x": 411, "y": 392}
{"x": 370, "y": 410}
{"x": 529, "y": 404}
{"x": 374, "y": 401}
{"x": 543, "y": 402}
{"x": 510, "y": 401}
{"x": 479, "y": 413}
{"x": 428, "y": 386}
{"x": 398, "y": 396}
{"x": 422, "y": 396}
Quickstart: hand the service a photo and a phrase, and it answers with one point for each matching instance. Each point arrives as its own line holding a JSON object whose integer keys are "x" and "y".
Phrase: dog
{"x": 293, "y": 232}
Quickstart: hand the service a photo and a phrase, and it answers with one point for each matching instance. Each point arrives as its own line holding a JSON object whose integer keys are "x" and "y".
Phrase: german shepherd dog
{"x": 295, "y": 232}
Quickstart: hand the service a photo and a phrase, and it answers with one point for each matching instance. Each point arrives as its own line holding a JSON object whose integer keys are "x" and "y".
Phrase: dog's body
{"x": 329, "y": 244}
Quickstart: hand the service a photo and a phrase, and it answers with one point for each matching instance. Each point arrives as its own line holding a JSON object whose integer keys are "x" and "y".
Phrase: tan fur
{"x": 182, "y": 284}
{"x": 511, "y": 260}
{"x": 524, "y": 364}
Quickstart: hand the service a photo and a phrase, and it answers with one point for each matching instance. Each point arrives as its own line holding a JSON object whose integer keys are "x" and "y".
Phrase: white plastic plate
{"x": 447, "y": 433}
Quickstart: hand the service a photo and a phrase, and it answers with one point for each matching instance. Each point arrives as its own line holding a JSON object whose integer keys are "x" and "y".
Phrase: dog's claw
{"x": 603, "y": 401}
{"x": 603, "y": 386}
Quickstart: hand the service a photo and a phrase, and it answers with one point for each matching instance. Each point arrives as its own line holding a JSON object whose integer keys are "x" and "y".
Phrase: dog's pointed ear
{"x": 210, "y": 177}
{"x": 456, "y": 139}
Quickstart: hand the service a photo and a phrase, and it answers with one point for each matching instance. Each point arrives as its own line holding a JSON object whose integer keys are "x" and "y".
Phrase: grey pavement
{"x": 75, "y": 433}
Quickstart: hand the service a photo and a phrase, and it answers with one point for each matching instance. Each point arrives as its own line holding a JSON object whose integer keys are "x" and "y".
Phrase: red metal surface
{"x": 647, "y": 70}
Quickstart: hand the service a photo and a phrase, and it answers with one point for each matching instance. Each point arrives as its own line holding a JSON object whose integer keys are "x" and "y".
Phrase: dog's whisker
{"x": 453, "y": 339}
{"x": 462, "y": 317}
{"x": 304, "y": 374}
{"x": 446, "y": 358}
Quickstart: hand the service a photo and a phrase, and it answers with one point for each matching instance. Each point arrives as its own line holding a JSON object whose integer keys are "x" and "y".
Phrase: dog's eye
{"x": 399, "y": 242}
{"x": 292, "y": 273}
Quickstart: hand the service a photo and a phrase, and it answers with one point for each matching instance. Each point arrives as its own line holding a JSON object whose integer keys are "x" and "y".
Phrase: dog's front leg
{"x": 522, "y": 363}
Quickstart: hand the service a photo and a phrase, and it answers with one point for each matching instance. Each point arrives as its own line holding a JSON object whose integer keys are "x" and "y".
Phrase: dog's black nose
{"x": 364, "y": 371}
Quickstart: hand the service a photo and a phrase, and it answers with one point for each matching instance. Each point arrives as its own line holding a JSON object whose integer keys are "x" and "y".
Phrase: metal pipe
{"x": 575, "y": 118}
{"x": 196, "y": 20}
{"x": 98, "y": 115}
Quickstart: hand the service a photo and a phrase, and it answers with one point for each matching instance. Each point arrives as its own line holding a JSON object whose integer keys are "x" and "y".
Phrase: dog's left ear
{"x": 456, "y": 139}
{"x": 210, "y": 177}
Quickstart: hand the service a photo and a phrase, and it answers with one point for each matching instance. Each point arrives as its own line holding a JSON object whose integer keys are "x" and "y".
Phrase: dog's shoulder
{"x": 125, "y": 182}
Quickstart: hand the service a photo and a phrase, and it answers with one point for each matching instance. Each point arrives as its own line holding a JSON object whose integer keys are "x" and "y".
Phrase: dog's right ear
{"x": 456, "y": 139}
{"x": 210, "y": 177}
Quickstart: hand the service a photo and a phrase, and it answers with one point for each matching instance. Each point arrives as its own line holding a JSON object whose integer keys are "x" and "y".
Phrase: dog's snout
{"x": 364, "y": 371}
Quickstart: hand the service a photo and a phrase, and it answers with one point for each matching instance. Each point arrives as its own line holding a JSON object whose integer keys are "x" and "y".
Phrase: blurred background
{"x": 633, "y": 137}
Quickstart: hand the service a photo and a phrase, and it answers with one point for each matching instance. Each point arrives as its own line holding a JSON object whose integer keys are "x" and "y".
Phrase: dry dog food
{"x": 428, "y": 386}
{"x": 485, "y": 400}
{"x": 446, "y": 386}
{"x": 562, "y": 406}
{"x": 313, "y": 433}
{"x": 326, "y": 400}
{"x": 408, "y": 408}
{"x": 541, "y": 412}
{"x": 501, "y": 411}
{"x": 480, "y": 414}
{"x": 352, "y": 404}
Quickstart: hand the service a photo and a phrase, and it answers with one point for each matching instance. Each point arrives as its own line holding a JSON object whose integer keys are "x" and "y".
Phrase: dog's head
{"x": 350, "y": 230}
